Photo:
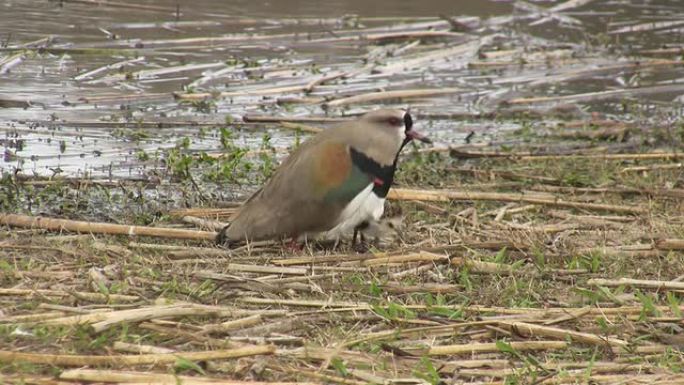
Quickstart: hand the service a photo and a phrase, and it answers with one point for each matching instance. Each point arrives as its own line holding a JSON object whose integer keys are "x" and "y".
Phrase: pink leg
{"x": 293, "y": 246}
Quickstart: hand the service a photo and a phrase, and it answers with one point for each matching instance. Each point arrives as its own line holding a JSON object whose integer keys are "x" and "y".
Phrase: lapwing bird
{"x": 333, "y": 184}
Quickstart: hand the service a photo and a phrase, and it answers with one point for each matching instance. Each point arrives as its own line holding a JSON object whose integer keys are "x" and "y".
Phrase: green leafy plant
{"x": 426, "y": 371}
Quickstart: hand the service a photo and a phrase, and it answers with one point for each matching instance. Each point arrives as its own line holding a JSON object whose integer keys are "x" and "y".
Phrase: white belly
{"x": 366, "y": 206}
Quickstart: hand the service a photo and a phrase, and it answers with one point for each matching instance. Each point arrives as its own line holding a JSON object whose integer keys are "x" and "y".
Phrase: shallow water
{"x": 82, "y": 118}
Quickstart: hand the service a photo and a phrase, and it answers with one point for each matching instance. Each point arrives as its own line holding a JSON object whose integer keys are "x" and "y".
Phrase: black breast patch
{"x": 382, "y": 176}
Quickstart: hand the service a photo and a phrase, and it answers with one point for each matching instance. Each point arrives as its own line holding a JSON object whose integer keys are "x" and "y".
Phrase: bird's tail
{"x": 222, "y": 237}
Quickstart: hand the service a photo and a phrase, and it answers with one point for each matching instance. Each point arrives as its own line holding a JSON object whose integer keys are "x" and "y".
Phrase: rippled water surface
{"x": 105, "y": 89}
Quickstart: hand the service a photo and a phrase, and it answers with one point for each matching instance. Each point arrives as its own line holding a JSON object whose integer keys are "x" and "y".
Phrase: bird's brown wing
{"x": 306, "y": 194}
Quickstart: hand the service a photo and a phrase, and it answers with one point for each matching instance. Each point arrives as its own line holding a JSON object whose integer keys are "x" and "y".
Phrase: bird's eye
{"x": 394, "y": 121}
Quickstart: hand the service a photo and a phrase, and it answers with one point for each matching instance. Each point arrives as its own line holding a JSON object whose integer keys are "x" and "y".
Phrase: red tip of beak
{"x": 411, "y": 134}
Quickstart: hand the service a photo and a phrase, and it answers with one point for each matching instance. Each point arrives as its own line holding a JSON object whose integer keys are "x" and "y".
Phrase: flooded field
{"x": 538, "y": 240}
{"x": 87, "y": 87}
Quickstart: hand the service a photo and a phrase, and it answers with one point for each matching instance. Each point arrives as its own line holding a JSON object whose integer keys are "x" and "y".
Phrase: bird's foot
{"x": 361, "y": 246}
{"x": 293, "y": 246}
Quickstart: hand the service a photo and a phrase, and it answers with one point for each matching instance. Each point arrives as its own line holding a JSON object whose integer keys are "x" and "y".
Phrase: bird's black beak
{"x": 411, "y": 133}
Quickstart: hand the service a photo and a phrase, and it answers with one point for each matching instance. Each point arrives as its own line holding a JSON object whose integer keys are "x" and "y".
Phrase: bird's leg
{"x": 364, "y": 246}
{"x": 336, "y": 243}
{"x": 361, "y": 247}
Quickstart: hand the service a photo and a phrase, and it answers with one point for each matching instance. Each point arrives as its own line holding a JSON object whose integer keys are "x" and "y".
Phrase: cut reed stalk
{"x": 53, "y": 224}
